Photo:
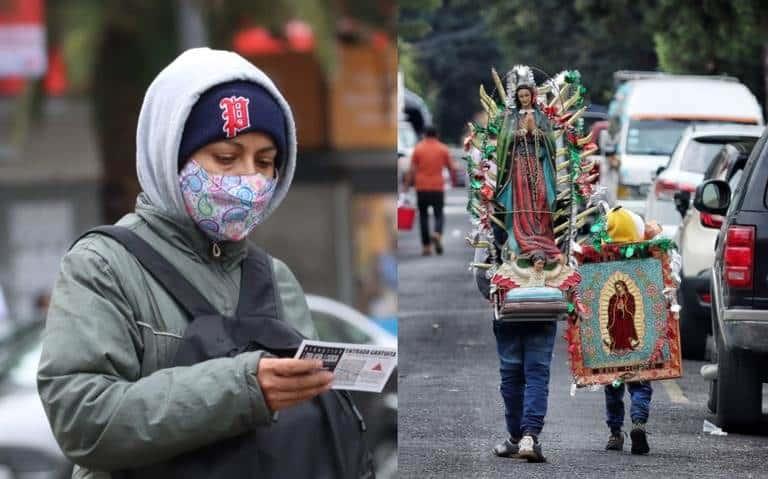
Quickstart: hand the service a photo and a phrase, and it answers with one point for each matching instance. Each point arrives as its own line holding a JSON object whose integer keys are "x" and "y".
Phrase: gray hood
{"x": 166, "y": 106}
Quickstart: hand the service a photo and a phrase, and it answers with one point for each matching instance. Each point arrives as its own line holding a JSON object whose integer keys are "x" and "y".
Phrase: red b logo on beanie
{"x": 234, "y": 112}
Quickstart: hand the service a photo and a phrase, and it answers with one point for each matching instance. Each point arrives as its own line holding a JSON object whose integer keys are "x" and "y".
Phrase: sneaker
{"x": 437, "y": 242}
{"x": 615, "y": 442}
{"x": 530, "y": 449}
{"x": 426, "y": 251}
{"x": 508, "y": 448}
{"x": 639, "y": 439}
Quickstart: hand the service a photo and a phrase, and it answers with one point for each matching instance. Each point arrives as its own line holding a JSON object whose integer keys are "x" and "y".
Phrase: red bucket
{"x": 405, "y": 216}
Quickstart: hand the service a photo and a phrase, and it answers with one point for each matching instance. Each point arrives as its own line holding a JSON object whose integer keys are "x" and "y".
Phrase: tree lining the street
{"x": 452, "y": 58}
{"x": 714, "y": 37}
{"x": 597, "y": 37}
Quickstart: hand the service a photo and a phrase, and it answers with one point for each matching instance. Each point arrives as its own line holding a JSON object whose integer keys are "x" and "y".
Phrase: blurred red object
{"x": 380, "y": 40}
{"x": 10, "y": 86}
{"x": 256, "y": 41}
{"x": 55, "y": 82}
{"x": 21, "y": 11}
{"x": 300, "y": 36}
{"x": 406, "y": 214}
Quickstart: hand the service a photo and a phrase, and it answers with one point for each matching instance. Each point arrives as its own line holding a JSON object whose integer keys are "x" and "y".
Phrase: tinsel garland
{"x": 624, "y": 251}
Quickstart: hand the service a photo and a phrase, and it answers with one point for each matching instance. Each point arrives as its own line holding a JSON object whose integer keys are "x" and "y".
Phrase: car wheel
{"x": 739, "y": 390}
{"x": 693, "y": 335}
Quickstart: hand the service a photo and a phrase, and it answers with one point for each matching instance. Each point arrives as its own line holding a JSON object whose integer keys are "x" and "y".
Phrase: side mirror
{"x": 682, "y": 202}
{"x": 713, "y": 196}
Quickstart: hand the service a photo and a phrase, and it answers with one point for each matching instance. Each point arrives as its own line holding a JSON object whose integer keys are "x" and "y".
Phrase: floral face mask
{"x": 226, "y": 208}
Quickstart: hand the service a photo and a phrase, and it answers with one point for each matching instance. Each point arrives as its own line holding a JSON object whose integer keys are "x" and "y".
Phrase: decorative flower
{"x": 487, "y": 192}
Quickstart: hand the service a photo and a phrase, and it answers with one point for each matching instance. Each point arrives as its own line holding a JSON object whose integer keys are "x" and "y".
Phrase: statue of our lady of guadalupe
{"x": 528, "y": 192}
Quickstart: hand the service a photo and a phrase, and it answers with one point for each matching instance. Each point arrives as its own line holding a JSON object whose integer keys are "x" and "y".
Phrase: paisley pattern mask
{"x": 226, "y": 208}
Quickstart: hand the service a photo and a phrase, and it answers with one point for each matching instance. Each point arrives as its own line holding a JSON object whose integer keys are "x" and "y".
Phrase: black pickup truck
{"x": 739, "y": 291}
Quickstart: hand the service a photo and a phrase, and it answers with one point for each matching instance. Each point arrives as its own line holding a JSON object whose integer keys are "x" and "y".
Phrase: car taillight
{"x": 711, "y": 221}
{"x": 705, "y": 298}
{"x": 738, "y": 256}
{"x": 666, "y": 189}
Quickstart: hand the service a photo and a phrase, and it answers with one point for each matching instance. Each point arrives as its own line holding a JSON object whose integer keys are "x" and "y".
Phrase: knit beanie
{"x": 229, "y": 109}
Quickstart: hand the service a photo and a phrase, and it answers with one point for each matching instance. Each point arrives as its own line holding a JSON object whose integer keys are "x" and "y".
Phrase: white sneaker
{"x": 530, "y": 449}
{"x": 526, "y": 446}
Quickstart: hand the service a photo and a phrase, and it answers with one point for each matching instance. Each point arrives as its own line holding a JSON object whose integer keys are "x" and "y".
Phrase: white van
{"x": 647, "y": 117}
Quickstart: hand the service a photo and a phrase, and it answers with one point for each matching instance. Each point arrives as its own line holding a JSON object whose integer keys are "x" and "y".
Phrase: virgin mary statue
{"x": 528, "y": 192}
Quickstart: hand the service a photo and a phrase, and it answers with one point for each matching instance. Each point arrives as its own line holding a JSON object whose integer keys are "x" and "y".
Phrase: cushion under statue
{"x": 532, "y": 292}
{"x": 536, "y": 293}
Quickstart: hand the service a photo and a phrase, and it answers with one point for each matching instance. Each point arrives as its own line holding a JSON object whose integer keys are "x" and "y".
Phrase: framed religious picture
{"x": 627, "y": 328}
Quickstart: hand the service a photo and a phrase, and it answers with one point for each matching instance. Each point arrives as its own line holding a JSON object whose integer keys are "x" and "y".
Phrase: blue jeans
{"x": 525, "y": 353}
{"x": 640, "y": 394}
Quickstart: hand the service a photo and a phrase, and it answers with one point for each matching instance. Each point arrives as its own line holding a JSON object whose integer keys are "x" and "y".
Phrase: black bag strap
{"x": 186, "y": 295}
{"x": 258, "y": 307}
{"x": 258, "y": 295}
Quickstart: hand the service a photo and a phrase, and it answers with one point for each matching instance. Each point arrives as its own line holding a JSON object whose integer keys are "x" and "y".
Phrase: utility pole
{"x": 192, "y": 32}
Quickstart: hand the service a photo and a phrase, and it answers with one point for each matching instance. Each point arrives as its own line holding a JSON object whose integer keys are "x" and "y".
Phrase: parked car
{"x": 27, "y": 445}
{"x": 696, "y": 240}
{"x": 647, "y": 117}
{"x": 594, "y": 114}
{"x": 338, "y": 322}
{"x": 694, "y": 152}
{"x": 416, "y": 111}
{"x": 406, "y": 140}
{"x": 740, "y": 291}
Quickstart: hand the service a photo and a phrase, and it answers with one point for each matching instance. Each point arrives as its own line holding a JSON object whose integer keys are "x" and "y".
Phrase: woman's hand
{"x": 286, "y": 382}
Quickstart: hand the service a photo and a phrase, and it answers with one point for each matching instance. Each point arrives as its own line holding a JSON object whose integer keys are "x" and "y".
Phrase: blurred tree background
{"x": 452, "y": 47}
{"x": 447, "y": 47}
{"x": 113, "y": 50}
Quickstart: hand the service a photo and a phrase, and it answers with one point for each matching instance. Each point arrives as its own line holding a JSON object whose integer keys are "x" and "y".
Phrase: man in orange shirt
{"x": 429, "y": 158}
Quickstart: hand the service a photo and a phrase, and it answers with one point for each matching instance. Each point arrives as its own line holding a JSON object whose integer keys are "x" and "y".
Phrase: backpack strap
{"x": 258, "y": 308}
{"x": 258, "y": 294}
{"x": 186, "y": 295}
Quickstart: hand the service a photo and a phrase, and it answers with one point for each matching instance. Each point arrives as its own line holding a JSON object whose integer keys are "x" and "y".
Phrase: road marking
{"x": 675, "y": 393}
{"x": 447, "y": 312}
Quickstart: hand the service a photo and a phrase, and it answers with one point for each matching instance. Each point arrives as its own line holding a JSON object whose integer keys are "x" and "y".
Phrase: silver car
{"x": 696, "y": 149}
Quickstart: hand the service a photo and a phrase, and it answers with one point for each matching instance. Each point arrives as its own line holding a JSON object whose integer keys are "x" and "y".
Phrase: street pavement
{"x": 450, "y": 409}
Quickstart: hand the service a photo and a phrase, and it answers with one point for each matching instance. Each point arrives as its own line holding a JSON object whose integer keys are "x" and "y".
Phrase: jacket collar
{"x": 183, "y": 233}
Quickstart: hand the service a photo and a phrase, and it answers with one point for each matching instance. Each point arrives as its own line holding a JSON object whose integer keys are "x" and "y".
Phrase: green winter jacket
{"x": 112, "y": 332}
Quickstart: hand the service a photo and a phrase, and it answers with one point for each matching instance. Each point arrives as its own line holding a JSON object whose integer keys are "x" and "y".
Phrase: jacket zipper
{"x": 216, "y": 254}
